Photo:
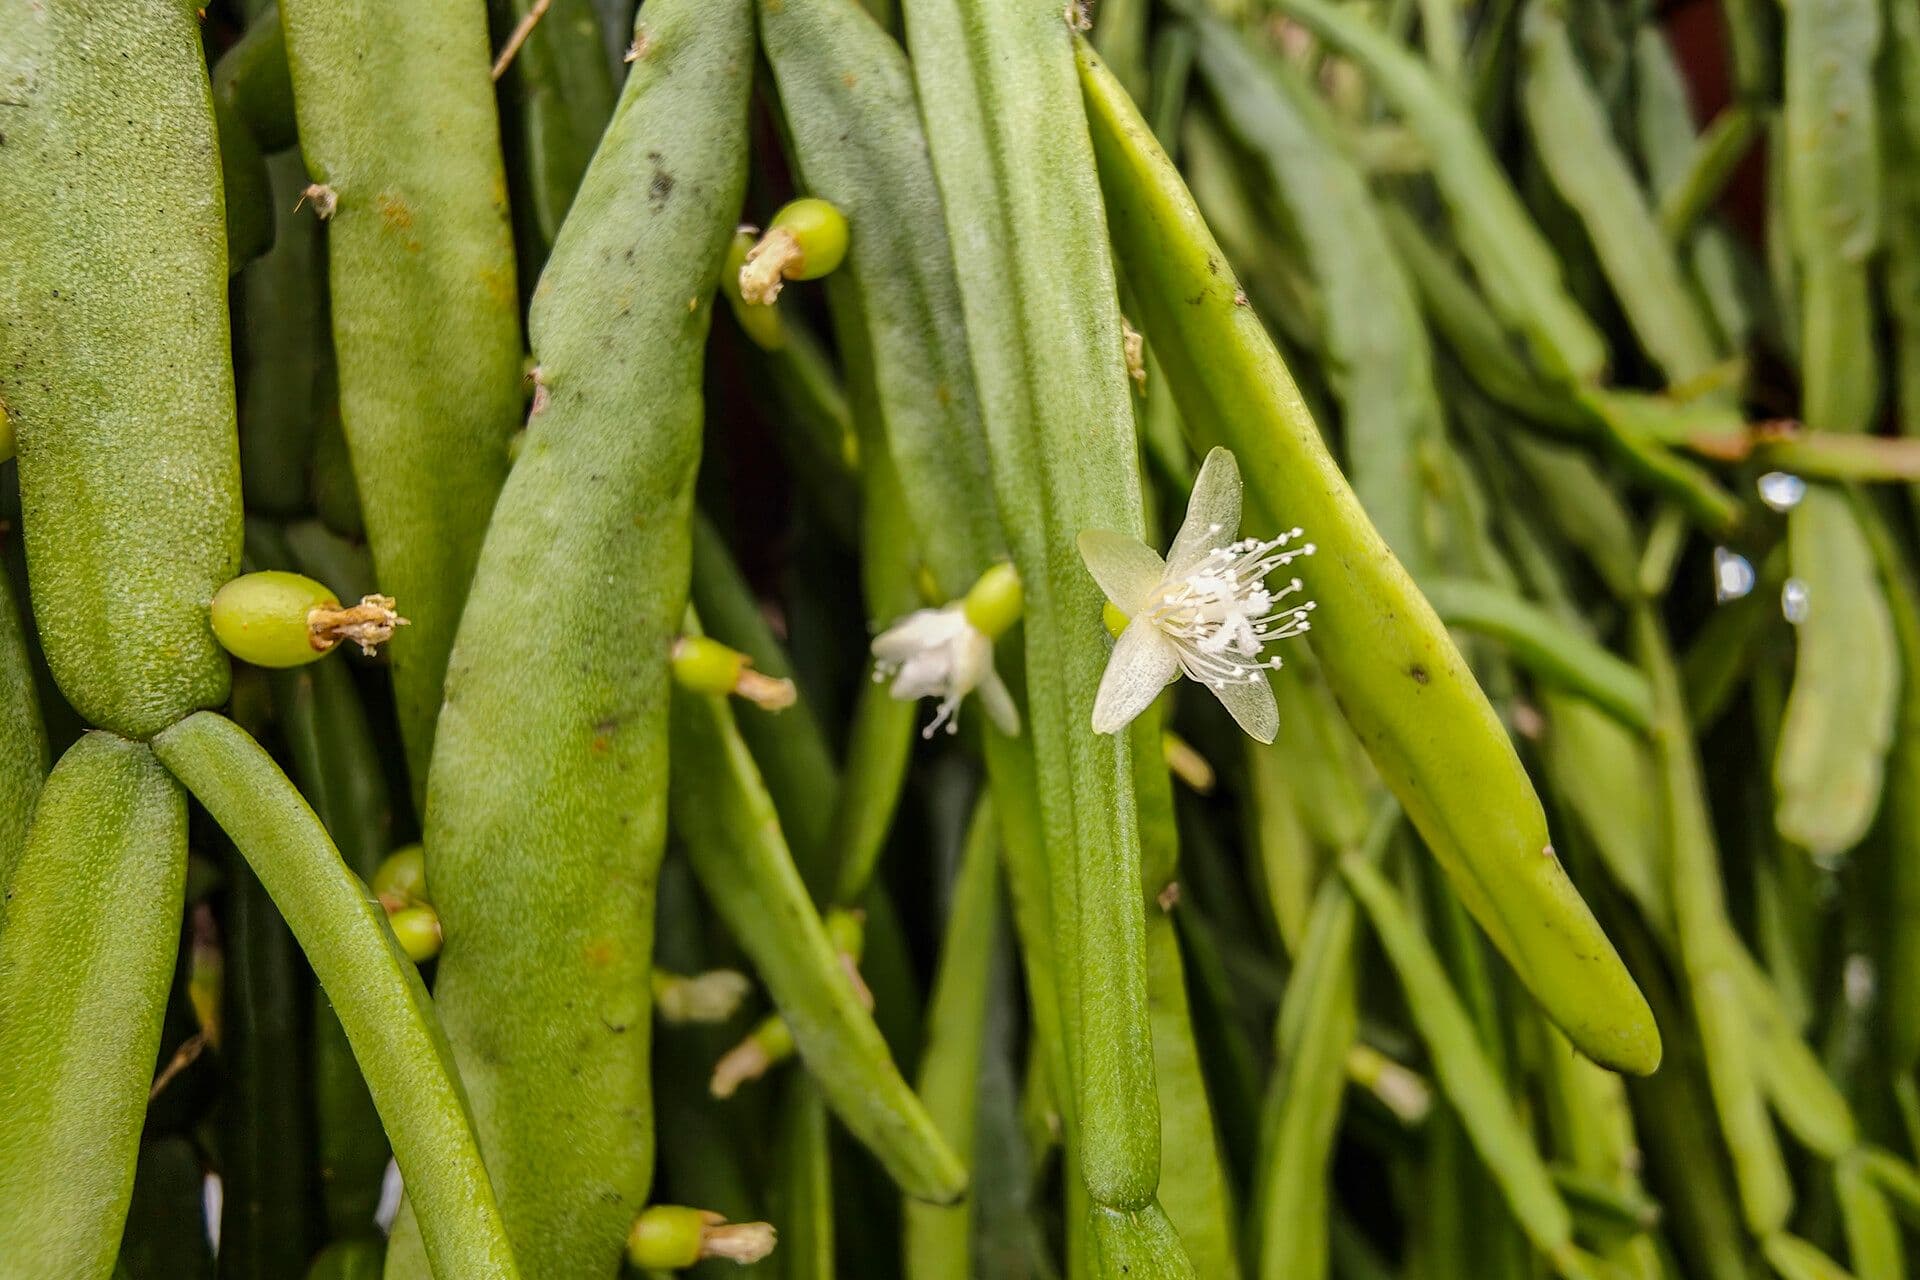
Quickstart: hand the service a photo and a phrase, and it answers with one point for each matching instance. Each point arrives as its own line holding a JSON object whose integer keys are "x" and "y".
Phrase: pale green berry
{"x": 819, "y": 229}
{"x": 276, "y": 619}
{"x": 263, "y": 618}
{"x": 417, "y": 928}
{"x": 672, "y": 1237}
{"x": 665, "y": 1237}
{"x": 401, "y": 878}
{"x": 806, "y": 240}
{"x": 704, "y": 665}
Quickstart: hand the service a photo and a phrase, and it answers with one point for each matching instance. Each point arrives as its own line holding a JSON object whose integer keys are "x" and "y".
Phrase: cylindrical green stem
{"x": 114, "y": 364}
{"x": 425, "y": 312}
{"x": 374, "y": 988}
{"x": 724, "y": 815}
{"x": 87, "y": 949}
{"x": 1037, "y": 289}
{"x": 546, "y": 812}
{"x": 1385, "y": 654}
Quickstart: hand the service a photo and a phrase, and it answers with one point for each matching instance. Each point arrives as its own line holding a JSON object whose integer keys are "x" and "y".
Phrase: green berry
{"x": 665, "y": 1237}
{"x": 417, "y": 928}
{"x": 819, "y": 230}
{"x": 775, "y": 1038}
{"x": 401, "y": 877}
{"x": 262, "y": 618}
{"x": 704, "y": 665}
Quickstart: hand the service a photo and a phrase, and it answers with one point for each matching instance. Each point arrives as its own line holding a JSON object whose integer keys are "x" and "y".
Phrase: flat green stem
{"x": 425, "y": 311}
{"x": 1007, "y": 133}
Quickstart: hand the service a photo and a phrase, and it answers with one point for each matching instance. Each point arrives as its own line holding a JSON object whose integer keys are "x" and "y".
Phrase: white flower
{"x": 1206, "y": 610}
{"x": 938, "y": 653}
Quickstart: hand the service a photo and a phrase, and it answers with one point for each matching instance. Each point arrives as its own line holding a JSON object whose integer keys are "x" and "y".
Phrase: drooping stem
{"x": 374, "y": 988}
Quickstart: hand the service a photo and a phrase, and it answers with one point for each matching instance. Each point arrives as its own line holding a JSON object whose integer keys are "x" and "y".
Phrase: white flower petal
{"x": 919, "y": 631}
{"x": 1127, "y": 569}
{"x": 1143, "y": 663}
{"x": 924, "y": 675}
{"x": 1251, "y": 705}
{"x": 1213, "y": 514}
{"x": 971, "y": 660}
{"x": 999, "y": 704}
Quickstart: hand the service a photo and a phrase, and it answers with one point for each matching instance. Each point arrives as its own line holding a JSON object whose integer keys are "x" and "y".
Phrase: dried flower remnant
{"x": 368, "y": 624}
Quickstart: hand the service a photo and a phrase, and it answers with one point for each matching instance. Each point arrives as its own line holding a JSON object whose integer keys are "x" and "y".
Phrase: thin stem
{"x": 521, "y": 30}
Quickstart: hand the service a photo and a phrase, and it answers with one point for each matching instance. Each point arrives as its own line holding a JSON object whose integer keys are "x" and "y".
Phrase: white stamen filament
{"x": 1221, "y": 614}
{"x": 1205, "y": 611}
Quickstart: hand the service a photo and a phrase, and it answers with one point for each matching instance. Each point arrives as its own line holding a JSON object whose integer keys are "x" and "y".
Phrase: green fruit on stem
{"x": 666, "y": 1237}
{"x": 706, "y": 666}
{"x": 672, "y": 1237}
{"x": 807, "y": 239}
{"x": 417, "y": 928}
{"x": 820, "y": 230}
{"x": 402, "y": 877}
{"x": 278, "y": 619}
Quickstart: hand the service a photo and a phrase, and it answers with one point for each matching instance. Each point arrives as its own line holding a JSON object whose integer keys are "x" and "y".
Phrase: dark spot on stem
{"x": 1419, "y": 673}
{"x": 662, "y": 185}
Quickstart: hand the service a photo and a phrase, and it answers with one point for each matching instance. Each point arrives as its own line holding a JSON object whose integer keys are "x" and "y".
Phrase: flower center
{"x": 1222, "y": 614}
{"x": 934, "y": 653}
